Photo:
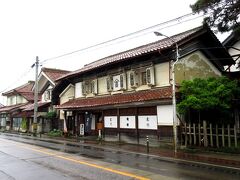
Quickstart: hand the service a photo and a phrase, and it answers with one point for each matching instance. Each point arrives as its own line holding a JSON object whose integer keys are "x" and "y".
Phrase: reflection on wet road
{"x": 153, "y": 165}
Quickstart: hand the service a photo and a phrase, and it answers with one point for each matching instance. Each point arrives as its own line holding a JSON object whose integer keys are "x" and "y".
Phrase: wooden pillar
{"x": 223, "y": 138}
{"x": 217, "y": 140}
{"x": 205, "y": 134}
{"x": 235, "y": 136}
{"x": 190, "y": 136}
{"x": 118, "y": 124}
{"x": 185, "y": 128}
{"x": 236, "y": 115}
{"x": 136, "y": 120}
{"x": 211, "y": 135}
{"x": 229, "y": 138}
{"x": 194, "y": 134}
{"x": 199, "y": 134}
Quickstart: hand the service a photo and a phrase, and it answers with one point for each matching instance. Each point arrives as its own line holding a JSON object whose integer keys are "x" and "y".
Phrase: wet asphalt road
{"x": 40, "y": 160}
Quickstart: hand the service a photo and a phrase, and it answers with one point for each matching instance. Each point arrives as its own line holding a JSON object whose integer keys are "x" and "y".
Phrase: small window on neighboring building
{"x": 116, "y": 85}
{"x": 109, "y": 83}
{"x": 132, "y": 83}
{"x": 121, "y": 81}
{"x": 93, "y": 87}
{"x": 47, "y": 95}
{"x": 144, "y": 78}
{"x": 148, "y": 76}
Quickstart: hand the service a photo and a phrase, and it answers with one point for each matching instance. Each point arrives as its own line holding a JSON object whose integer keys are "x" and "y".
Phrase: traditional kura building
{"x": 46, "y": 113}
{"x": 20, "y": 104}
{"x": 11, "y": 115}
{"x": 129, "y": 95}
{"x": 232, "y": 44}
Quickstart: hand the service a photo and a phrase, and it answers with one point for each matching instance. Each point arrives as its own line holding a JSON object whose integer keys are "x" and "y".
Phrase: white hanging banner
{"x": 82, "y": 129}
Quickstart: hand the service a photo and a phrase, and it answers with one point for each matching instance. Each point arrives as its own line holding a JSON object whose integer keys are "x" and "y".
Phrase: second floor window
{"x": 47, "y": 95}
{"x": 132, "y": 80}
{"x": 148, "y": 76}
{"x": 116, "y": 83}
{"x": 121, "y": 81}
{"x": 93, "y": 87}
{"x": 109, "y": 83}
{"x": 144, "y": 78}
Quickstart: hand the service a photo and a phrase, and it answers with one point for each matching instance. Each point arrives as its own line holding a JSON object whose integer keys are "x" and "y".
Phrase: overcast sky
{"x": 49, "y": 28}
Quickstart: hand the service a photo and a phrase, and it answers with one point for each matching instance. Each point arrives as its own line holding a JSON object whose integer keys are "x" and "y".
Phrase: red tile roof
{"x": 54, "y": 74}
{"x": 140, "y": 96}
{"x": 145, "y": 49}
{"x": 30, "y": 107}
{"x": 24, "y": 90}
{"x": 12, "y": 107}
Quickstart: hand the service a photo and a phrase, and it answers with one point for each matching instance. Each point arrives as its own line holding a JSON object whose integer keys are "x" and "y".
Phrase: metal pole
{"x": 173, "y": 92}
{"x": 35, "y": 98}
{"x": 174, "y": 102}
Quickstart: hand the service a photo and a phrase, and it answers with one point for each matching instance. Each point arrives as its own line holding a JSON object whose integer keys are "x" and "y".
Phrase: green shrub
{"x": 55, "y": 133}
{"x": 51, "y": 115}
{"x": 24, "y": 124}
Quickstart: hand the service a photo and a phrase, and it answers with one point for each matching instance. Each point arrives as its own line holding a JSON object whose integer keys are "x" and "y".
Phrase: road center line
{"x": 82, "y": 162}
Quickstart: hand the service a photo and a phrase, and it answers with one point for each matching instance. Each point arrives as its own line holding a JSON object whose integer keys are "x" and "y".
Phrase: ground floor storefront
{"x": 131, "y": 124}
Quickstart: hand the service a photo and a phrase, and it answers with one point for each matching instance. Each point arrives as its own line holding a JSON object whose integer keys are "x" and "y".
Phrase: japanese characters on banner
{"x": 110, "y": 121}
{"x": 147, "y": 122}
{"x": 128, "y": 122}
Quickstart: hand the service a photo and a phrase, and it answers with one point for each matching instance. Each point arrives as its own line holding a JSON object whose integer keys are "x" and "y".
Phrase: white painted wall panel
{"x": 147, "y": 122}
{"x": 110, "y": 121}
{"x": 78, "y": 90}
{"x": 165, "y": 115}
{"x": 128, "y": 122}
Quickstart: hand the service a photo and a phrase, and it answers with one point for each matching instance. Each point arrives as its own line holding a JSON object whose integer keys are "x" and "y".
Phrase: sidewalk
{"x": 201, "y": 157}
{"x": 215, "y": 158}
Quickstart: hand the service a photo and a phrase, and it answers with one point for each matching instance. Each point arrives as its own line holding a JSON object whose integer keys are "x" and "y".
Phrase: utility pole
{"x": 175, "y": 143}
{"x": 35, "y": 98}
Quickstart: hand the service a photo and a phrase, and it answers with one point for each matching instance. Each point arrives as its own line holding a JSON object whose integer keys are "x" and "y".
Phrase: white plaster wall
{"x": 78, "y": 90}
{"x": 65, "y": 97}
{"x": 162, "y": 74}
{"x": 165, "y": 115}
{"x": 11, "y": 100}
{"x": 102, "y": 85}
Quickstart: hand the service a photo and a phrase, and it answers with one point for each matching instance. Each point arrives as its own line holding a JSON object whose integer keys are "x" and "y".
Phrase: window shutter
{"x": 133, "y": 79}
{"x": 150, "y": 76}
{"x": 109, "y": 83}
{"x": 84, "y": 88}
{"x": 123, "y": 81}
{"x": 94, "y": 85}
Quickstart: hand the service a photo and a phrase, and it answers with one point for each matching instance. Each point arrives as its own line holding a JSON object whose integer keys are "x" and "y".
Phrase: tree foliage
{"x": 207, "y": 94}
{"x": 51, "y": 115}
{"x": 221, "y": 14}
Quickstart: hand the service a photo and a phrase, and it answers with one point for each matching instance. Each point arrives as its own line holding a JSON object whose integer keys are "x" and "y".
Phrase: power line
{"x": 142, "y": 31}
{"x": 20, "y": 77}
{"x": 124, "y": 36}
